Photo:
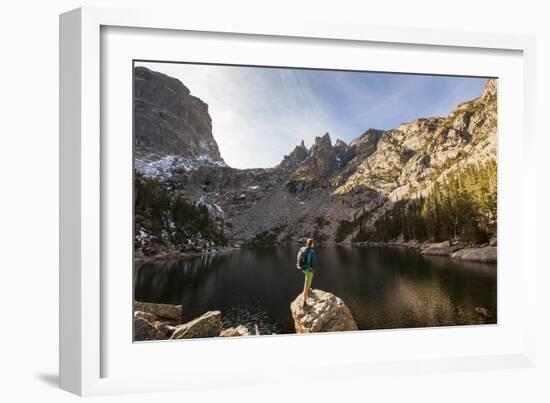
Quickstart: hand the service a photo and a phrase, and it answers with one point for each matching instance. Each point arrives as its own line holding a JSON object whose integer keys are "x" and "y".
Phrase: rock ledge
{"x": 487, "y": 254}
{"x": 324, "y": 312}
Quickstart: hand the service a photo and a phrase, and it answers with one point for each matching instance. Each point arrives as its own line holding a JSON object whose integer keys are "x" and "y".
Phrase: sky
{"x": 260, "y": 114}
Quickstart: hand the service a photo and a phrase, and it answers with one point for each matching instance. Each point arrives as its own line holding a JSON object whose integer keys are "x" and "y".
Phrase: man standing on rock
{"x": 307, "y": 261}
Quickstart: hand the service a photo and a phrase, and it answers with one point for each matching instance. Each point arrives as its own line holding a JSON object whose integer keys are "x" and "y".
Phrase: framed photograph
{"x": 233, "y": 195}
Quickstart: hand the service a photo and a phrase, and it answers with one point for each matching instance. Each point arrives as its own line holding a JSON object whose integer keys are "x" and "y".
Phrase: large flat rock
{"x": 487, "y": 254}
{"x": 437, "y": 249}
{"x": 165, "y": 311}
{"x": 324, "y": 312}
{"x": 207, "y": 325}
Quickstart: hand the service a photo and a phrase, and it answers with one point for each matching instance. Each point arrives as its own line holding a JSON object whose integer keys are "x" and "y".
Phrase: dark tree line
{"x": 165, "y": 215}
{"x": 462, "y": 206}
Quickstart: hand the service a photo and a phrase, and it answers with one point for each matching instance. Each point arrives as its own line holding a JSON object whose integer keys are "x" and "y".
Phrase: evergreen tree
{"x": 462, "y": 205}
{"x": 166, "y": 215}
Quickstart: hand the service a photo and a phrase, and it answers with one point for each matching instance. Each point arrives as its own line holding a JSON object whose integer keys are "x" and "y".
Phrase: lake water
{"x": 384, "y": 287}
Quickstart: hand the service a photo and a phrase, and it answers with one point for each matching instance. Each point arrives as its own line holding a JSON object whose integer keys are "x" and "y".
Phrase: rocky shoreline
{"x": 323, "y": 312}
{"x": 484, "y": 253}
{"x": 163, "y": 322}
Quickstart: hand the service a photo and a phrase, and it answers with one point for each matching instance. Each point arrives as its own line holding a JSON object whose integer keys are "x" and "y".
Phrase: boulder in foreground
{"x": 166, "y": 311}
{"x": 143, "y": 329}
{"x": 148, "y": 327}
{"x": 207, "y": 325}
{"x": 149, "y": 317}
{"x": 324, "y": 312}
{"x": 487, "y": 254}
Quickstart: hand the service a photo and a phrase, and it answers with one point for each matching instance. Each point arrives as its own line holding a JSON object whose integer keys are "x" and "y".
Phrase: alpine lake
{"x": 385, "y": 287}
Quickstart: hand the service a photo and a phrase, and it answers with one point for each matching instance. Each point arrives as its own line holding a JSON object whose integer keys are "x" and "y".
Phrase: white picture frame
{"x": 86, "y": 299}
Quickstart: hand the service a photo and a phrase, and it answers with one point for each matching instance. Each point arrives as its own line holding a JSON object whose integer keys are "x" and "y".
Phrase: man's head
{"x": 309, "y": 243}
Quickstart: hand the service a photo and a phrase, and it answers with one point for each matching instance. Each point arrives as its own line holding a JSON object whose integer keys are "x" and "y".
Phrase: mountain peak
{"x": 371, "y": 136}
{"x": 490, "y": 88}
{"x": 169, "y": 121}
{"x": 340, "y": 143}
{"x": 325, "y": 139}
{"x": 295, "y": 158}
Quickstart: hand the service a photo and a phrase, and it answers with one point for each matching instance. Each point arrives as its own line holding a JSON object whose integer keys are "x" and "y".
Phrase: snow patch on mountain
{"x": 213, "y": 209}
{"x": 166, "y": 166}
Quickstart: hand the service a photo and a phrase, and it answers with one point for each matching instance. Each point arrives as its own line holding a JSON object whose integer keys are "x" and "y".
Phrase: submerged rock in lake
{"x": 487, "y": 254}
{"x": 207, "y": 325}
{"x": 324, "y": 312}
{"x": 167, "y": 311}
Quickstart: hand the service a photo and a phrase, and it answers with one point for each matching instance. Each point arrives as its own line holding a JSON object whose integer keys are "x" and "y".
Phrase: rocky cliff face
{"x": 312, "y": 191}
{"x": 319, "y": 164}
{"x": 169, "y": 121}
{"x": 408, "y": 159}
{"x": 293, "y": 160}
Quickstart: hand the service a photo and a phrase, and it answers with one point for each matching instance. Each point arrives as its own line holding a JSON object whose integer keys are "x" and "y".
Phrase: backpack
{"x": 301, "y": 260}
